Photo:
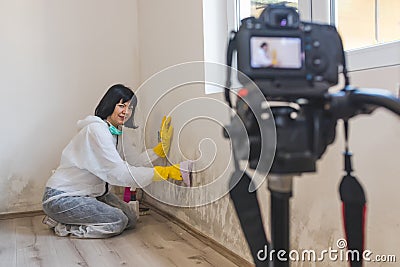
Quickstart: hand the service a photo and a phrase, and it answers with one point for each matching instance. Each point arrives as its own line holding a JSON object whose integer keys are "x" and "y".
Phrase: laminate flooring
{"x": 155, "y": 242}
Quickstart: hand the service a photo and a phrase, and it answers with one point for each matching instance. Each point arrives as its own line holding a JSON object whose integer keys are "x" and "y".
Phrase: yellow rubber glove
{"x": 166, "y": 131}
{"x": 169, "y": 172}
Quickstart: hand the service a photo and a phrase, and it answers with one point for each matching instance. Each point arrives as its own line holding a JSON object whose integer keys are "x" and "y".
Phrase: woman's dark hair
{"x": 112, "y": 97}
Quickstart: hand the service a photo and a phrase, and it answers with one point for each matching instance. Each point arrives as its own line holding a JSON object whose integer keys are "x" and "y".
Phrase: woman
{"x": 77, "y": 198}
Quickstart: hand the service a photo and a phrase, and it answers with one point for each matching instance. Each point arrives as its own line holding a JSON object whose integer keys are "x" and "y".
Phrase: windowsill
{"x": 377, "y": 56}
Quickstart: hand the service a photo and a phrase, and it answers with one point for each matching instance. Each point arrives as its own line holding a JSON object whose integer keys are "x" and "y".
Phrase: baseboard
{"x": 230, "y": 255}
{"x": 13, "y": 215}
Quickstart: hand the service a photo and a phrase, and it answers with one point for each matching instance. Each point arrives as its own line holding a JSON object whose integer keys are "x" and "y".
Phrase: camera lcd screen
{"x": 276, "y": 52}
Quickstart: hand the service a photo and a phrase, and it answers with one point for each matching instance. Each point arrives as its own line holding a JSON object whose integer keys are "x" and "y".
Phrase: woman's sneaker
{"x": 49, "y": 222}
{"x": 143, "y": 210}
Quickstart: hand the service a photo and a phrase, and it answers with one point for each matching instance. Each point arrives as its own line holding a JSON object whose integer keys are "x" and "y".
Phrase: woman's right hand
{"x": 179, "y": 172}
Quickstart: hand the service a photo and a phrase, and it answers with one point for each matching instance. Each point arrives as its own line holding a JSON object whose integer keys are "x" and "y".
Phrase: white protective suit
{"x": 91, "y": 160}
{"x": 261, "y": 59}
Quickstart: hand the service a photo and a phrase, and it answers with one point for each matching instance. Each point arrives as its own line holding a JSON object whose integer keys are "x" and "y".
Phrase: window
{"x": 370, "y": 29}
{"x": 361, "y": 23}
{"x": 367, "y": 22}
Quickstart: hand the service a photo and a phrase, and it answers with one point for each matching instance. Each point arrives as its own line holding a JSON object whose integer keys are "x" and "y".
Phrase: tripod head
{"x": 304, "y": 128}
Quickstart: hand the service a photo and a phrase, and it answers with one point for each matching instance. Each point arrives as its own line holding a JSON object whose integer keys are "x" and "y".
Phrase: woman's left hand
{"x": 166, "y": 131}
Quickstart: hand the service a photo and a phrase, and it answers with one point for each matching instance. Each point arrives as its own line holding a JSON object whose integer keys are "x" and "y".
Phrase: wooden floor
{"x": 155, "y": 242}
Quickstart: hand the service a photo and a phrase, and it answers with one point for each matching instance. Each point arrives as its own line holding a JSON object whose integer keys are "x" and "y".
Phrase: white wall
{"x": 376, "y": 140}
{"x": 57, "y": 60}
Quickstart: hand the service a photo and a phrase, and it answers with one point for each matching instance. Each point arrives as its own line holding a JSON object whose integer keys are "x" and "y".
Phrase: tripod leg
{"x": 281, "y": 192}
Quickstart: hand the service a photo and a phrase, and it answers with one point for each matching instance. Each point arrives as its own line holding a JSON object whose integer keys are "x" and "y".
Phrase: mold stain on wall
{"x": 18, "y": 194}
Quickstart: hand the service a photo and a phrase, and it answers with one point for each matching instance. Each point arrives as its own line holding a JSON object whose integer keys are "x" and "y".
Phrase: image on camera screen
{"x": 276, "y": 52}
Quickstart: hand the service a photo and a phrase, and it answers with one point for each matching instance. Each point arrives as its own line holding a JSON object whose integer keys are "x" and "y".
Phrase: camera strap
{"x": 249, "y": 214}
{"x": 229, "y": 56}
{"x": 245, "y": 202}
{"x": 353, "y": 207}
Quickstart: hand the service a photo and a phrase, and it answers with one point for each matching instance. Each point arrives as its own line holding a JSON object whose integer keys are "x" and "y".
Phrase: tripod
{"x": 317, "y": 130}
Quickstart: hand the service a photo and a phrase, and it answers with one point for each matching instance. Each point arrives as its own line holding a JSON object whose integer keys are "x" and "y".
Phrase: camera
{"x": 293, "y": 64}
{"x": 286, "y": 57}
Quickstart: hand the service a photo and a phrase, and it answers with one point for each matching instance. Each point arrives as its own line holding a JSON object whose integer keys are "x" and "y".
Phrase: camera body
{"x": 286, "y": 57}
{"x": 293, "y": 64}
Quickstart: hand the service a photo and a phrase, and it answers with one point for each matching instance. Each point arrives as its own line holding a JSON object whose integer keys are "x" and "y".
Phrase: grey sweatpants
{"x": 89, "y": 217}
